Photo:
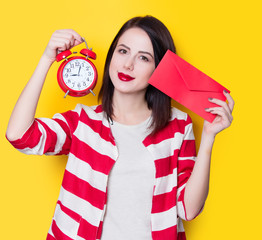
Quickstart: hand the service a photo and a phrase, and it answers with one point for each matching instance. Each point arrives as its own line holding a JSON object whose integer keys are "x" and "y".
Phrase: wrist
{"x": 46, "y": 60}
{"x": 208, "y": 138}
{"x": 42, "y": 68}
{"x": 206, "y": 145}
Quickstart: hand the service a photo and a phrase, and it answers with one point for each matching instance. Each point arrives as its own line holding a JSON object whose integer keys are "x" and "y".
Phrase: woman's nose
{"x": 129, "y": 63}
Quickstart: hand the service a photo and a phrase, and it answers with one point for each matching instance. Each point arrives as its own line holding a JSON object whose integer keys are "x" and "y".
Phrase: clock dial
{"x": 78, "y": 74}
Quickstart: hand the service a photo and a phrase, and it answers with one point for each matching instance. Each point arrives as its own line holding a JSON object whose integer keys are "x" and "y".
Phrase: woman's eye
{"x": 122, "y": 51}
{"x": 144, "y": 58}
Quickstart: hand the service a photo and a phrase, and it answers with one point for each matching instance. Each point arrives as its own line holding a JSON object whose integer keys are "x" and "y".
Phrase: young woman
{"x": 132, "y": 170}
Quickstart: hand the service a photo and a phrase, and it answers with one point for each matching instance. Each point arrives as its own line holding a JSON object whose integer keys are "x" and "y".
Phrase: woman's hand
{"x": 224, "y": 115}
{"x": 24, "y": 110}
{"x": 198, "y": 184}
{"x": 61, "y": 40}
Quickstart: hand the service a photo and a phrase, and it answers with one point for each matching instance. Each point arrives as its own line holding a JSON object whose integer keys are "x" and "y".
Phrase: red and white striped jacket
{"x": 84, "y": 134}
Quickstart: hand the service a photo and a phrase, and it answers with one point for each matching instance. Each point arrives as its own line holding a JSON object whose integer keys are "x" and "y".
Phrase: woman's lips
{"x": 124, "y": 77}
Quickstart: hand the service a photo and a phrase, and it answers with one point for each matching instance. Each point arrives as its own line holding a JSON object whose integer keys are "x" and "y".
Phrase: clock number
{"x": 82, "y": 75}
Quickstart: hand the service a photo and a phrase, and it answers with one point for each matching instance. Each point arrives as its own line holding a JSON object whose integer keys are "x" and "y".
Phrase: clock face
{"x": 78, "y": 74}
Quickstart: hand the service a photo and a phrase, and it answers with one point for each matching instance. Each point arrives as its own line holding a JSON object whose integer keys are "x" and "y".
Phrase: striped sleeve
{"x": 49, "y": 136}
{"x": 186, "y": 161}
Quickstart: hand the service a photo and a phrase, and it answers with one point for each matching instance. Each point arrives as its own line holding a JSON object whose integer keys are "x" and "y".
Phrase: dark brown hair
{"x": 158, "y": 102}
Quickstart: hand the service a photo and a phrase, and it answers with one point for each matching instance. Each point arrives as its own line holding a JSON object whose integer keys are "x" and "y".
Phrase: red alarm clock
{"x": 77, "y": 75}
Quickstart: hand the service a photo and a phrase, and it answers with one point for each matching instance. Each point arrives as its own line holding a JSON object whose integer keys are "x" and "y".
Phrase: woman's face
{"x": 132, "y": 62}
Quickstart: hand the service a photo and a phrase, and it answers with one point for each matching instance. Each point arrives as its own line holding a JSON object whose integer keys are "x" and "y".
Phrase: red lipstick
{"x": 124, "y": 77}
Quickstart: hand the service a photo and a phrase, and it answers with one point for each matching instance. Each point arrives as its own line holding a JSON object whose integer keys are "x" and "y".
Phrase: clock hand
{"x": 79, "y": 70}
{"x": 74, "y": 75}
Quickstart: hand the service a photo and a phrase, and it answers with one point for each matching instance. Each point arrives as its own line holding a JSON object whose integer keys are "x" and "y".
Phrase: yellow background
{"x": 222, "y": 38}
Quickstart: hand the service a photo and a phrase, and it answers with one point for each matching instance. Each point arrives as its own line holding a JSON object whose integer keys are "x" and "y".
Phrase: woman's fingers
{"x": 227, "y": 106}
{"x": 230, "y": 100}
{"x": 62, "y": 40}
{"x": 221, "y": 112}
{"x": 221, "y": 104}
{"x": 71, "y": 37}
{"x": 75, "y": 35}
{"x": 66, "y": 38}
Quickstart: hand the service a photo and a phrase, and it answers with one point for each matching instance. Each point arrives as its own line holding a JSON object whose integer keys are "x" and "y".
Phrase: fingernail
{"x": 207, "y": 109}
{"x": 225, "y": 91}
{"x": 210, "y": 99}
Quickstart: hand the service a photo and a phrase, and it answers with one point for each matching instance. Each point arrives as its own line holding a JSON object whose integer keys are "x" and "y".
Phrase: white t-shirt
{"x": 130, "y": 186}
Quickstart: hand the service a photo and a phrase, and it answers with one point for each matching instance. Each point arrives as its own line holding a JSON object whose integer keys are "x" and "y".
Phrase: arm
{"x": 197, "y": 187}
{"x": 24, "y": 111}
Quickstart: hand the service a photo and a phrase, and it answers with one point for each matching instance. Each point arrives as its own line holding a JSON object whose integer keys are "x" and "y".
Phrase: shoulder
{"x": 95, "y": 110}
{"x": 88, "y": 109}
{"x": 179, "y": 116}
{"x": 173, "y": 132}
{"x": 93, "y": 113}
{"x": 79, "y": 113}
{"x": 180, "y": 121}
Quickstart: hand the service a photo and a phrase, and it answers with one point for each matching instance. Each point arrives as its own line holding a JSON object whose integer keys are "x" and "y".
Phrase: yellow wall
{"x": 222, "y": 38}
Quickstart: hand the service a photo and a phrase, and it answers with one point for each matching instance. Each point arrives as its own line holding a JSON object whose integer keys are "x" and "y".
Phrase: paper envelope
{"x": 186, "y": 84}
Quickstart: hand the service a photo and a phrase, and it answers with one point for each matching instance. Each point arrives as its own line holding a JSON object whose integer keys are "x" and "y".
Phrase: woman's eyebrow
{"x": 123, "y": 45}
{"x": 144, "y": 52}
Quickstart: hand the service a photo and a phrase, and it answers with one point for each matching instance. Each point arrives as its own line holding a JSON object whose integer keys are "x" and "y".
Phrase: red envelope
{"x": 187, "y": 85}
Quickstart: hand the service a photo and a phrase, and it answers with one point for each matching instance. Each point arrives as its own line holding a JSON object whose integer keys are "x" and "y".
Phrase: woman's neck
{"x": 130, "y": 109}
